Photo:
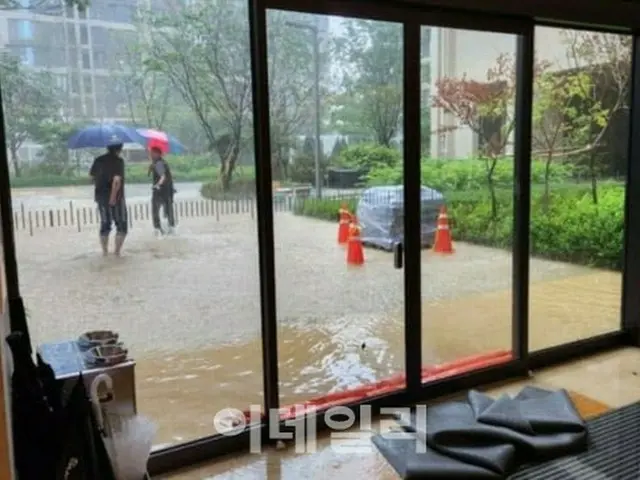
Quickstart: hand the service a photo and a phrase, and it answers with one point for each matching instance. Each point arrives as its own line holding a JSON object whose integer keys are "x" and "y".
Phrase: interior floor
{"x": 597, "y": 384}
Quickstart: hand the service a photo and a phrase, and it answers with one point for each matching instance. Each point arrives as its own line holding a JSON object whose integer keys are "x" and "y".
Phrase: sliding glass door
{"x": 468, "y": 97}
{"x": 335, "y": 109}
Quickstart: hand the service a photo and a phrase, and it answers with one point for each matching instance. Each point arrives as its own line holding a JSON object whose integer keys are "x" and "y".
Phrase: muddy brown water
{"x": 188, "y": 308}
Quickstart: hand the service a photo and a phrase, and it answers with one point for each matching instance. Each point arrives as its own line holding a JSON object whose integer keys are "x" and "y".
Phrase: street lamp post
{"x": 316, "y": 73}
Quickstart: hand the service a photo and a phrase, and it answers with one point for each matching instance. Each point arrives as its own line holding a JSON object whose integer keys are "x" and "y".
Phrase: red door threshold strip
{"x": 394, "y": 383}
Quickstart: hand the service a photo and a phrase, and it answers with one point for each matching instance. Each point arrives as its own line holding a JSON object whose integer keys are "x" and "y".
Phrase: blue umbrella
{"x": 104, "y": 135}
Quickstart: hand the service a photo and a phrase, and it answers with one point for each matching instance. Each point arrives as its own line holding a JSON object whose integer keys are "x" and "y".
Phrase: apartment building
{"x": 455, "y": 53}
{"x": 81, "y": 49}
{"x": 84, "y": 49}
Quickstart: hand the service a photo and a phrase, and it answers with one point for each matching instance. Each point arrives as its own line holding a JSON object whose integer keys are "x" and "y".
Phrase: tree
{"x": 303, "y": 169}
{"x": 557, "y": 121}
{"x": 486, "y": 109}
{"x": 148, "y": 93}
{"x": 308, "y": 146}
{"x": 371, "y": 79}
{"x": 338, "y": 148}
{"x": 291, "y": 84}
{"x": 30, "y": 102}
{"x": 606, "y": 59}
{"x": 53, "y": 136}
{"x": 204, "y": 51}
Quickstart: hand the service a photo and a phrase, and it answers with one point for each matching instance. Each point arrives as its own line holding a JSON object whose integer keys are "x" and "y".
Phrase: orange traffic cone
{"x": 355, "y": 252}
{"x": 442, "y": 242}
{"x": 343, "y": 226}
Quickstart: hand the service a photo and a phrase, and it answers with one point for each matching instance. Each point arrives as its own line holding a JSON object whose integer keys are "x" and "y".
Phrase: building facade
{"x": 85, "y": 50}
{"x": 466, "y": 53}
{"x": 82, "y": 49}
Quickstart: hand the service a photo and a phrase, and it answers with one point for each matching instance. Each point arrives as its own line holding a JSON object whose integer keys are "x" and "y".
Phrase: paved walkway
{"x": 188, "y": 307}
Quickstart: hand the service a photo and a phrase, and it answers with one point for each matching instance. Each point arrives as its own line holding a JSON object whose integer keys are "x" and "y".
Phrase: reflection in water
{"x": 195, "y": 386}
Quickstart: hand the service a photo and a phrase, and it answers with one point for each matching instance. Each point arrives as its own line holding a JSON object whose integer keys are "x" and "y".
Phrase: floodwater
{"x": 188, "y": 308}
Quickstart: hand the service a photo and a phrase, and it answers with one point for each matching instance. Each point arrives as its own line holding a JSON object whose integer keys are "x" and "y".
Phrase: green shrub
{"x": 186, "y": 168}
{"x": 48, "y": 181}
{"x": 240, "y": 187}
{"x": 461, "y": 175}
{"x": 571, "y": 228}
{"x": 303, "y": 168}
{"x": 369, "y": 156}
{"x": 578, "y": 231}
{"x": 324, "y": 209}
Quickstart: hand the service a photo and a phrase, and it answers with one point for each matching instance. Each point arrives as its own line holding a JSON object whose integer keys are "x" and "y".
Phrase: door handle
{"x": 398, "y": 255}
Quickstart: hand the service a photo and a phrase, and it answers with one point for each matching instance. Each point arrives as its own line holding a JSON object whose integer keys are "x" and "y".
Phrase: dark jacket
{"x": 161, "y": 167}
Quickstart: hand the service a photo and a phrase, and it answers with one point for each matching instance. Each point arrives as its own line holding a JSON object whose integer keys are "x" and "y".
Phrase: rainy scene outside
{"x": 171, "y": 82}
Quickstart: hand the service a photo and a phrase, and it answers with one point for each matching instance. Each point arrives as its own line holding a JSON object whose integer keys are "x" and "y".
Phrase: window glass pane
{"x": 86, "y": 60}
{"x": 120, "y": 11}
{"x": 468, "y": 121}
{"x": 84, "y": 35}
{"x": 184, "y": 298}
{"x": 5, "y": 377}
{"x": 75, "y": 83}
{"x": 71, "y": 35}
{"x": 579, "y": 165}
{"x": 340, "y": 322}
{"x": 88, "y": 87}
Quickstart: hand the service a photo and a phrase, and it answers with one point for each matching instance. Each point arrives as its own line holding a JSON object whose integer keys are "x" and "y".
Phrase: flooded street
{"x": 188, "y": 308}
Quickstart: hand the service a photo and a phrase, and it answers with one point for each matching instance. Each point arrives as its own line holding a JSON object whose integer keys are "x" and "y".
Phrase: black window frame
{"x": 519, "y": 18}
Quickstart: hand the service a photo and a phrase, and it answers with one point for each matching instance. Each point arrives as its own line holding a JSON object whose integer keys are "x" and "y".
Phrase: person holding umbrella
{"x": 107, "y": 173}
{"x": 162, "y": 189}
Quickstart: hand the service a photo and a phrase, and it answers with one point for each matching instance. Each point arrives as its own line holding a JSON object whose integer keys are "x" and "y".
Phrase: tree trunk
{"x": 490, "y": 165}
{"x": 277, "y": 164}
{"x": 384, "y": 137}
{"x": 15, "y": 160}
{"x": 227, "y": 168}
{"x": 547, "y": 174}
{"x": 594, "y": 178}
{"x": 225, "y": 177}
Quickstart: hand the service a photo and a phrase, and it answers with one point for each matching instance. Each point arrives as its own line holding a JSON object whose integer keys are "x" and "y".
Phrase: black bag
{"x": 84, "y": 455}
{"x": 34, "y": 419}
{"x": 52, "y": 441}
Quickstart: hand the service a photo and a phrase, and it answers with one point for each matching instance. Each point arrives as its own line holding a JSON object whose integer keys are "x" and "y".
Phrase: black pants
{"x": 164, "y": 200}
{"x": 113, "y": 215}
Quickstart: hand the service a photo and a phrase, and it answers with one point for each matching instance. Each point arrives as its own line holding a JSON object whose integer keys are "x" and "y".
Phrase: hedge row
{"x": 384, "y": 167}
{"x": 570, "y": 227}
{"x": 462, "y": 175}
{"x": 187, "y": 168}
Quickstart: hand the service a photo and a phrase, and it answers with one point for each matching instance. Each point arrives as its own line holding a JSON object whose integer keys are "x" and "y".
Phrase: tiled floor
{"x": 611, "y": 379}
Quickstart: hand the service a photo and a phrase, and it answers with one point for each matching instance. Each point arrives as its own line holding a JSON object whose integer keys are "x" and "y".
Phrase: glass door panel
{"x": 185, "y": 301}
{"x": 578, "y": 177}
{"x": 468, "y": 94}
{"x": 336, "y": 115}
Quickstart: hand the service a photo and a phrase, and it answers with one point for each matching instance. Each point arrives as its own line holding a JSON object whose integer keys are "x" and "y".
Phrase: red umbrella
{"x": 162, "y": 140}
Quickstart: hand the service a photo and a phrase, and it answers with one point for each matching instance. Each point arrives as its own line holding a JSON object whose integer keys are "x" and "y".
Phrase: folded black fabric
{"x": 485, "y": 437}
